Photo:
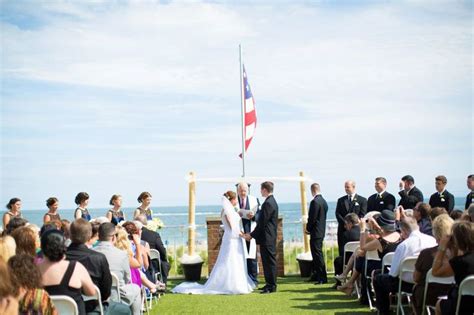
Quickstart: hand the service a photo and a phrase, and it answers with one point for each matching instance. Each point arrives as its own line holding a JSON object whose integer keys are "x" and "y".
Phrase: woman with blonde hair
{"x": 7, "y": 248}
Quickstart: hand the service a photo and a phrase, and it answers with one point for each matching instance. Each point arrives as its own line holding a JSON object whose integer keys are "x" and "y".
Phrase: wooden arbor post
{"x": 192, "y": 214}
{"x": 304, "y": 212}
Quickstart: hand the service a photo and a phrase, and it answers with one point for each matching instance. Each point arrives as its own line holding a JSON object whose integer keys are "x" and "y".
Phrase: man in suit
{"x": 316, "y": 228}
{"x": 265, "y": 234}
{"x": 248, "y": 202}
{"x": 350, "y": 203}
{"x": 118, "y": 261}
{"x": 95, "y": 263}
{"x": 154, "y": 240}
{"x": 470, "y": 196}
{"x": 382, "y": 200}
{"x": 442, "y": 198}
{"x": 409, "y": 194}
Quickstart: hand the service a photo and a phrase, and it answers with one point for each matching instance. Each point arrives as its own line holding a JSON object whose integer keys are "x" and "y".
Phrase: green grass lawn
{"x": 293, "y": 296}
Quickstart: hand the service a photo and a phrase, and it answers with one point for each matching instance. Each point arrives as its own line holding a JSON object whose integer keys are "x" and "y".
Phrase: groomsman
{"x": 382, "y": 200}
{"x": 350, "y": 203}
{"x": 442, "y": 198}
{"x": 316, "y": 228}
{"x": 470, "y": 196}
{"x": 410, "y": 195}
{"x": 248, "y": 202}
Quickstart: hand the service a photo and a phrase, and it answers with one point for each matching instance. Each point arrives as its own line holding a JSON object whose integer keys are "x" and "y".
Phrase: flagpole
{"x": 242, "y": 108}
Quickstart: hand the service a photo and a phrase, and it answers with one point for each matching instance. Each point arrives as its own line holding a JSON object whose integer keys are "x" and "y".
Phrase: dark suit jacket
{"x": 353, "y": 235}
{"x": 318, "y": 209}
{"x": 344, "y": 206}
{"x": 375, "y": 203}
{"x": 98, "y": 267}
{"x": 265, "y": 233}
{"x": 410, "y": 199}
{"x": 469, "y": 199}
{"x": 447, "y": 202}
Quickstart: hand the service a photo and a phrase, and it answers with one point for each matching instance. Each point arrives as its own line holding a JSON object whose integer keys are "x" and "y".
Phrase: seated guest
{"x": 94, "y": 239}
{"x": 442, "y": 197}
{"x": 65, "y": 225}
{"x": 8, "y": 301}
{"x": 410, "y": 195}
{"x": 155, "y": 242}
{"x": 437, "y": 211}
{"x": 456, "y": 214}
{"x": 62, "y": 277}
{"x": 25, "y": 240}
{"x": 382, "y": 199}
{"x": 119, "y": 265}
{"x": 52, "y": 214}
{"x": 96, "y": 263}
{"x": 26, "y": 280}
{"x": 461, "y": 243}
{"x": 7, "y": 248}
{"x": 469, "y": 214}
{"x": 422, "y": 215}
{"x": 13, "y": 224}
{"x": 441, "y": 227}
{"x": 414, "y": 242}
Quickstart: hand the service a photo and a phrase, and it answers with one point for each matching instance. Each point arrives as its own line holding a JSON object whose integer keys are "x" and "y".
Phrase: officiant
{"x": 248, "y": 209}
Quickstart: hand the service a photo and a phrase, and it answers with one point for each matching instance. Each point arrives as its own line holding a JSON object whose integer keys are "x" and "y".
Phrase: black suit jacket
{"x": 155, "y": 242}
{"x": 344, "y": 206}
{"x": 98, "y": 267}
{"x": 265, "y": 233}
{"x": 446, "y": 202}
{"x": 410, "y": 199}
{"x": 318, "y": 209}
{"x": 469, "y": 199}
{"x": 353, "y": 235}
{"x": 375, "y": 203}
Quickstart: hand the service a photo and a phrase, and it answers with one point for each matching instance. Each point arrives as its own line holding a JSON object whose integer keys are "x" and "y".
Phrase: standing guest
{"x": 316, "y": 228}
{"x": 155, "y": 242}
{"x": 422, "y": 215}
{"x": 82, "y": 200}
{"x": 13, "y": 224}
{"x": 144, "y": 208}
{"x": 14, "y": 207}
{"x": 470, "y": 195}
{"x": 385, "y": 284}
{"x": 25, "y": 240}
{"x": 119, "y": 265}
{"x": 249, "y": 204}
{"x": 95, "y": 263}
{"x": 115, "y": 215}
{"x": 382, "y": 200}
{"x": 460, "y": 266}
{"x": 350, "y": 203}
{"x": 442, "y": 197}
{"x": 409, "y": 193}
{"x": 7, "y": 248}
{"x": 441, "y": 226}
{"x": 26, "y": 280}
{"x": 62, "y": 277}
{"x": 52, "y": 214}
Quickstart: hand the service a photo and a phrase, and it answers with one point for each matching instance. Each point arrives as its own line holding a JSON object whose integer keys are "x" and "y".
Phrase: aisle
{"x": 293, "y": 296}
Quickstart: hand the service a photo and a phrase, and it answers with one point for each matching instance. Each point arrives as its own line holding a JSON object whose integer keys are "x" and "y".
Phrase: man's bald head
{"x": 349, "y": 187}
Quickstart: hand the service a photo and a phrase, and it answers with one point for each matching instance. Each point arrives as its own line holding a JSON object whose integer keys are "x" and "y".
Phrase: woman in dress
{"x": 144, "y": 208}
{"x": 229, "y": 275}
{"x": 52, "y": 214}
{"x": 82, "y": 200}
{"x": 14, "y": 207}
{"x": 115, "y": 215}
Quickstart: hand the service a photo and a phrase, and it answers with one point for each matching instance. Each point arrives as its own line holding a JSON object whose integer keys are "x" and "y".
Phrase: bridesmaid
{"x": 14, "y": 207}
{"x": 144, "y": 208}
{"x": 52, "y": 214}
{"x": 115, "y": 215}
{"x": 82, "y": 200}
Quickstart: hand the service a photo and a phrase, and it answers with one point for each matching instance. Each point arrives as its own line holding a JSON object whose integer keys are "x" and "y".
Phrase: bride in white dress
{"x": 229, "y": 275}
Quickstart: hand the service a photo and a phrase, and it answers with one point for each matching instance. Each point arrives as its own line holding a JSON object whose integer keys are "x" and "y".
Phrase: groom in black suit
{"x": 265, "y": 234}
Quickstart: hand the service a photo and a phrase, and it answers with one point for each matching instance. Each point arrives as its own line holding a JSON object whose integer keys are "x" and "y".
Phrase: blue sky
{"x": 121, "y": 97}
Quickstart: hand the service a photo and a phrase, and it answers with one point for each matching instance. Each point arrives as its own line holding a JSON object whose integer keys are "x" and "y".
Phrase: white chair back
{"x": 387, "y": 260}
{"x": 465, "y": 288}
{"x": 96, "y": 297}
{"x": 432, "y": 279}
{"x": 349, "y": 247}
{"x": 64, "y": 304}
{"x": 116, "y": 285}
{"x": 407, "y": 267}
{"x": 372, "y": 255}
{"x": 155, "y": 254}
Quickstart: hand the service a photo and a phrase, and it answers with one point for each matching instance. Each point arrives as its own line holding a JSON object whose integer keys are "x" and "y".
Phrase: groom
{"x": 265, "y": 234}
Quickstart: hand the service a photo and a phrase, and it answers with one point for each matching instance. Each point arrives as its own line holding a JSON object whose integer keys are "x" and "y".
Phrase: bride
{"x": 229, "y": 275}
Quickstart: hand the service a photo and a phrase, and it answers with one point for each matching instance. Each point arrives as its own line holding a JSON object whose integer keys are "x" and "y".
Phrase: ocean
{"x": 175, "y": 219}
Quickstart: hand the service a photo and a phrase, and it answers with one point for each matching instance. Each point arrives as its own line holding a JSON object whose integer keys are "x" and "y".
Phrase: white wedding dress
{"x": 229, "y": 275}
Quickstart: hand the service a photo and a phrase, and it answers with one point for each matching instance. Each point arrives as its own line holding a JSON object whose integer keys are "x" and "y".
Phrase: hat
{"x": 386, "y": 220}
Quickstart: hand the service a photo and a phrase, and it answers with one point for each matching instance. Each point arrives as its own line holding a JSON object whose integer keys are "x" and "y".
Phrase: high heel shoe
{"x": 346, "y": 288}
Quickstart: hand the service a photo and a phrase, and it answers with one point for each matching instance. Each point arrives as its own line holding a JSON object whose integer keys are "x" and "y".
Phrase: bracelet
{"x": 441, "y": 249}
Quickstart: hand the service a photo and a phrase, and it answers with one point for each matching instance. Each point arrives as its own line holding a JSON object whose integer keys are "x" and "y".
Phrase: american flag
{"x": 250, "y": 117}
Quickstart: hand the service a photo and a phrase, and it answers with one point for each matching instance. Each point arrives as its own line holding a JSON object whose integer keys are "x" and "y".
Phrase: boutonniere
{"x": 356, "y": 203}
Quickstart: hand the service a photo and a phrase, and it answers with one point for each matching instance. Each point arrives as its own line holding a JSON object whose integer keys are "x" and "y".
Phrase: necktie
{"x": 243, "y": 203}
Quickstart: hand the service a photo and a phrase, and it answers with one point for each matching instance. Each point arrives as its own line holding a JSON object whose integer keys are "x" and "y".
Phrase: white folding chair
{"x": 155, "y": 255}
{"x": 65, "y": 304}
{"x": 351, "y": 247}
{"x": 372, "y": 255}
{"x": 116, "y": 286}
{"x": 97, "y": 297}
{"x": 407, "y": 267}
{"x": 146, "y": 306}
{"x": 432, "y": 279}
{"x": 465, "y": 288}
